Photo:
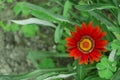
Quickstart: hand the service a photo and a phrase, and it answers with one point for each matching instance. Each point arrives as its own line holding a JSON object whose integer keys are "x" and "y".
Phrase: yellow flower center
{"x": 86, "y": 44}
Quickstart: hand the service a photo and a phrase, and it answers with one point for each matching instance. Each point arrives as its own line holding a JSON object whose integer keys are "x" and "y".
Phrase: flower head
{"x": 86, "y": 44}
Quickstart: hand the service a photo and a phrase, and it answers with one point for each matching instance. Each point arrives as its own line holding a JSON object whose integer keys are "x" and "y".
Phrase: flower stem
{"x": 80, "y": 72}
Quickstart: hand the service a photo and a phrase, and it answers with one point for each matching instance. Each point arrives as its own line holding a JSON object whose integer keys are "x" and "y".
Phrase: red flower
{"x": 86, "y": 43}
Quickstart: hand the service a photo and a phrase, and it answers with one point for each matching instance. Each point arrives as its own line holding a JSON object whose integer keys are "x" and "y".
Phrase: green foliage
{"x": 58, "y": 33}
{"x": 67, "y": 7}
{"x": 29, "y": 30}
{"x": 46, "y": 63}
{"x": 14, "y": 27}
{"x": 116, "y": 45}
{"x": 19, "y": 7}
{"x": 9, "y": 1}
{"x": 60, "y": 47}
{"x": 34, "y": 56}
{"x": 9, "y": 27}
{"x": 94, "y": 77}
{"x": 106, "y": 68}
{"x": 116, "y": 75}
{"x": 62, "y": 15}
{"x": 119, "y": 17}
{"x": 94, "y": 7}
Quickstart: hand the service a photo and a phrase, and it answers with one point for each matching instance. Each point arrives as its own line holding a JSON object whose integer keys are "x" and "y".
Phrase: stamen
{"x": 86, "y": 44}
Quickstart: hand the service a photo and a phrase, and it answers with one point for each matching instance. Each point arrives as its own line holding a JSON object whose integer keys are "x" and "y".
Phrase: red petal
{"x": 97, "y": 53}
{"x": 78, "y": 54}
{"x": 81, "y": 60}
{"x": 86, "y": 59}
{"x": 91, "y": 59}
{"x": 72, "y": 53}
{"x": 69, "y": 39}
{"x": 69, "y": 49}
{"x": 100, "y": 44}
{"x": 73, "y": 34}
{"x": 75, "y": 53}
{"x": 90, "y": 24}
{"x": 71, "y": 42}
{"x": 77, "y": 28}
{"x": 102, "y": 35}
{"x": 84, "y": 26}
{"x": 79, "y": 33}
{"x": 94, "y": 56}
{"x": 90, "y": 28}
{"x": 96, "y": 32}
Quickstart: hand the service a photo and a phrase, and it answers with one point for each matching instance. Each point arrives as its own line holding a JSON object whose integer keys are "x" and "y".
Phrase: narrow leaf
{"x": 119, "y": 16}
{"x": 67, "y": 6}
{"x": 94, "y": 7}
{"x": 34, "y": 21}
{"x": 58, "y": 33}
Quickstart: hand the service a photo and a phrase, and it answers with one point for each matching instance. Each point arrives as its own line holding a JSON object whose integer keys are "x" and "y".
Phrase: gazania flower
{"x": 86, "y": 44}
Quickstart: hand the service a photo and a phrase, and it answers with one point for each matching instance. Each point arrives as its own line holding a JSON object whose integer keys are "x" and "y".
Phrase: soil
{"x": 14, "y": 46}
{"x": 14, "y": 49}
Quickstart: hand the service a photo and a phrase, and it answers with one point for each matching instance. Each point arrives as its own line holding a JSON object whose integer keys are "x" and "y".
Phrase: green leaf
{"x": 30, "y": 30}
{"x": 107, "y": 74}
{"x": 58, "y": 33}
{"x": 43, "y": 54}
{"x": 47, "y": 15}
{"x": 115, "y": 44}
{"x": 60, "y": 76}
{"x": 14, "y": 27}
{"x": 67, "y": 6}
{"x": 38, "y": 55}
{"x": 46, "y": 63}
{"x": 118, "y": 52}
{"x": 100, "y": 16}
{"x": 116, "y": 75}
{"x": 19, "y": 7}
{"x": 94, "y": 77}
{"x": 94, "y": 7}
{"x": 61, "y": 48}
{"x": 112, "y": 55}
{"x": 106, "y": 68}
{"x": 9, "y": 1}
{"x": 46, "y": 75}
{"x": 114, "y": 29}
{"x": 43, "y": 16}
{"x": 119, "y": 16}
{"x": 34, "y": 21}
{"x": 6, "y": 27}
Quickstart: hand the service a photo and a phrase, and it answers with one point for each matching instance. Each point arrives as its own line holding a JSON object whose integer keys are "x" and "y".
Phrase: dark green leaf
{"x": 116, "y": 75}
{"x": 114, "y": 29}
{"x": 94, "y": 7}
{"x": 94, "y": 77}
{"x": 100, "y": 16}
{"x": 119, "y": 16}
{"x": 45, "y": 13}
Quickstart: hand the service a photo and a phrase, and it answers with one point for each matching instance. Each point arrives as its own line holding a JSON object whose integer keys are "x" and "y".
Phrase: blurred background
{"x": 33, "y": 32}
